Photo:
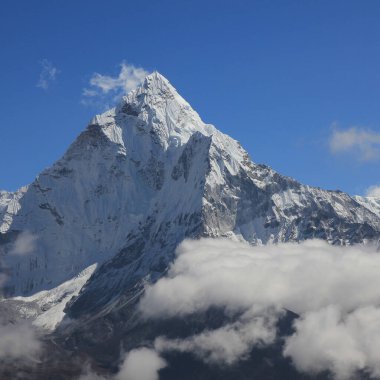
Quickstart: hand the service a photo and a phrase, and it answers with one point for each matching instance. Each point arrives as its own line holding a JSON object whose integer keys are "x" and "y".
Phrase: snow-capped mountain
{"x": 151, "y": 169}
{"x": 143, "y": 176}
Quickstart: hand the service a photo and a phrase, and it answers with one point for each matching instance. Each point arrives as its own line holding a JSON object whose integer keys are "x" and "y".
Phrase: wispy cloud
{"x": 106, "y": 89}
{"x": 373, "y": 191}
{"x": 338, "y": 329}
{"x": 363, "y": 143}
{"x": 25, "y": 243}
{"x": 229, "y": 343}
{"x": 48, "y": 74}
{"x": 19, "y": 342}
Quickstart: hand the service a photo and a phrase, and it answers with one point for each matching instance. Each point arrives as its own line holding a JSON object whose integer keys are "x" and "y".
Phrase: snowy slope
{"x": 142, "y": 177}
{"x": 371, "y": 203}
{"x": 46, "y": 308}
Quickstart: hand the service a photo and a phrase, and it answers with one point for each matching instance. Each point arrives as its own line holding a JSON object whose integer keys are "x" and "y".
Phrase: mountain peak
{"x": 156, "y": 85}
{"x": 137, "y": 182}
{"x": 157, "y": 108}
{"x": 154, "y": 79}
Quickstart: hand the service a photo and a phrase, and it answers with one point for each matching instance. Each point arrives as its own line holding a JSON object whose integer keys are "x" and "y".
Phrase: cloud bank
{"x": 363, "y": 143}
{"x": 335, "y": 290}
{"x": 107, "y": 89}
{"x": 342, "y": 343}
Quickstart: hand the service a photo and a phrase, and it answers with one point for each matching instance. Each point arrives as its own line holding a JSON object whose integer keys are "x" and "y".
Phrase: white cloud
{"x": 19, "y": 342}
{"x": 48, "y": 74}
{"x": 223, "y": 273}
{"x": 363, "y": 143}
{"x": 373, "y": 191}
{"x": 107, "y": 89}
{"x": 344, "y": 344}
{"x": 25, "y": 243}
{"x": 331, "y": 288}
{"x": 139, "y": 364}
{"x": 228, "y": 343}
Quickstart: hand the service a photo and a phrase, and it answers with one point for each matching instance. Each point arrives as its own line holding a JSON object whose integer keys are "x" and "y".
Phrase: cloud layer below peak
{"x": 334, "y": 290}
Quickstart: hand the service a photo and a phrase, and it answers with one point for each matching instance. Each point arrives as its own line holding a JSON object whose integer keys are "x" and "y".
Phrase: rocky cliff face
{"x": 137, "y": 181}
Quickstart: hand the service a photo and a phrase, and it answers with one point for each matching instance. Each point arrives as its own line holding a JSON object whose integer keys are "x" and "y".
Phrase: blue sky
{"x": 297, "y": 82}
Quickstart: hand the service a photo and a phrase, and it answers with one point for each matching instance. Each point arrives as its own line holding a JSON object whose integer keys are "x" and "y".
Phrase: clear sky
{"x": 297, "y": 82}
